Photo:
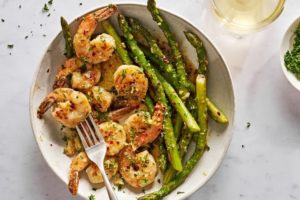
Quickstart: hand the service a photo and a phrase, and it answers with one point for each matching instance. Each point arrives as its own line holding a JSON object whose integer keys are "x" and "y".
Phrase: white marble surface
{"x": 268, "y": 167}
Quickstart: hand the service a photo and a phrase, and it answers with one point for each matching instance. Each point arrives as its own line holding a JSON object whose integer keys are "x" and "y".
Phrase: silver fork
{"x": 95, "y": 147}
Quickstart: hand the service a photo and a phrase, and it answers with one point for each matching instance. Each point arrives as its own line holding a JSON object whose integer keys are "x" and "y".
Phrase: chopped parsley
{"x": 49, "y": 15}
{"x": 10, "y": 46}
{"x": 292, "y": 58}
{"x": 45, "y": 8}
{"x": 50, "y": 2}
{"x": 248, "y": 125}
{"x": 92, "y": 197}
{"x": 2, "y": 20}
{"x": 26, "y": 36}
{"x": 180, "y": 192}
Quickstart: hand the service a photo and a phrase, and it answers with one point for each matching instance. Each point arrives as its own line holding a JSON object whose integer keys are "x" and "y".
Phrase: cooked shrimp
{"x": 99, "y": 49}
{"x": 153, "y": 132}
{"x": 83, "y": 75}
{"x": 111, "y": 168}
{"x": 114, "y": 136}
{"x": 137, "y": 169}
{"x": 79, "y": 163}
{"x": 101, "y": 98}
{"x": 70, "y": 107}
{"x": 131, "y": 82}
{"x": 137, "y": 123}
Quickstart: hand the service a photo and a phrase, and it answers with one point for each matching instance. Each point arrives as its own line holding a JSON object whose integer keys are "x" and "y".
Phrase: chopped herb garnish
{"x": 243, "y": 146}
{"x": 10, "y": 46}
{"x": 26, "y": 36}
{"x": 94, "y": 189}
{"x": 49, "y": 15}
{"x": 248, "y": 125}
{"x": 180, "y": 192}
{"x": 2, "y": 20}
{"x": 45, "y": 8}
{"x": 50, "y": 2}
{"x": 80, "y": 4}
{"x": 92, "y": 197}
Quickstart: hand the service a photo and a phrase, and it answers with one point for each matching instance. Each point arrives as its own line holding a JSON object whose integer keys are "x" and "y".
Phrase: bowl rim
{"x": 183, "y": 19}
{"x": 289, "y": 75}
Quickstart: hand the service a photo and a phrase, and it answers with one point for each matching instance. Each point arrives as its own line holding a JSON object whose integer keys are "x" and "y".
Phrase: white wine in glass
{"x": 245, "y": 16}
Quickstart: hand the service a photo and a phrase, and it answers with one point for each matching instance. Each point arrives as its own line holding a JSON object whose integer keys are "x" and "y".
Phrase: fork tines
{"x": 88, "y": 132}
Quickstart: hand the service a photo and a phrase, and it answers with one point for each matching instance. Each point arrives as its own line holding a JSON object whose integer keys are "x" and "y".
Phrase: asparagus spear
{"x": 149, "y": 103}
{"x": 120, "y": 47}
{"x": 183, "y": 142}
{"x": 68, "y": 38}
{"x": 141, "y": 60}
{"x": 178, "y": 104}
{"x": 165, "y": 65}
{"x": 200, "y": 50}
{"x": 178, "y": 126}
{"x": 200, "y": 148}
{"x": 180, "y": 68}
{"x": 215, "y": 113}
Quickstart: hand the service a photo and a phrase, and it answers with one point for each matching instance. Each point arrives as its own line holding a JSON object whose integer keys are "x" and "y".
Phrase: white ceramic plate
{"x": 220, "y": 90}
{"x": 287, "y": 44}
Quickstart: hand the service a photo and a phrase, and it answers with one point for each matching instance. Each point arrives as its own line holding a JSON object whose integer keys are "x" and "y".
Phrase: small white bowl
{"x": 219, "y": 89}
{"x": 287, "y": 45}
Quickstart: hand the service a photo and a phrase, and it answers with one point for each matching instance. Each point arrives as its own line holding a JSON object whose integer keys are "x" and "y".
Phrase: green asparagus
{"x": 69, "y": 49}
{"x": 215, "y": 113}
{"x": 165, "y": 65}
{"x": 178, "y": 104}
{"x": 180, "y": 67}
{"x": 149, "y": 103}
{"x": 200, "y": 50}
{"x": 121, "y": 50}
{"x": 170, "y": 140}
{"x": 201, "y": 146}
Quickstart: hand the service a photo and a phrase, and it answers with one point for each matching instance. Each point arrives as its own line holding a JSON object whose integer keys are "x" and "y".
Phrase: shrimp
{"x": 131, "y": 82}
{"x": 70, "y": 107}
{"x": 83, "y": 75}
{"x": 153, "y": 132}
{"x": 111, "y": 169}
{"x": 101, "y": 98}
{"x": 79, "y": 163}
{"x": 99, "y": 49}
{"x": 137, "y": 169}
{"x": 136, "y": 124}
{"x": 114, "y": 136}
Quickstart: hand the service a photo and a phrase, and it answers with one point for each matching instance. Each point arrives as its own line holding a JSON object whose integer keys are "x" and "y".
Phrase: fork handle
{"x": 110, "y": 191}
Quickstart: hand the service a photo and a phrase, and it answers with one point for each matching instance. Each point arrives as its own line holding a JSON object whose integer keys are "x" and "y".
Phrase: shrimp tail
{"x": 153, "y": 132}
{"x": 73, "y": 182}
{"x": 60, "y": 82}
{"x": 44, "y": 106}
{"x": 106, "y": 12}
{"x": 117, "y": 114}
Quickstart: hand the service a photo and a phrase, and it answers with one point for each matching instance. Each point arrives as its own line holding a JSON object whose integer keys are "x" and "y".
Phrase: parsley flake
{"x": 10, "y": 46}
{"x": 50, "y": 2}
{"x": 248, "y": 125}
{"x": 180, "y": 192}
{"x": 92, "y": 197}
{"x": 45, "y": 8}
{"x": 2, "y": 20}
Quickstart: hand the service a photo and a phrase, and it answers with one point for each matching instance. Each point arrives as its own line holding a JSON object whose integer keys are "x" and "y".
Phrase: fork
{"x": 95, "y": 147}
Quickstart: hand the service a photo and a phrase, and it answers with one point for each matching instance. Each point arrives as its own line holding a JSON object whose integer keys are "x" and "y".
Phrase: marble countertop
{"x": 262, "y": 161}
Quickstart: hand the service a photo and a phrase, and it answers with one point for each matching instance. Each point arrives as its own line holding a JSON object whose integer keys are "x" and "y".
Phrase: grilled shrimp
{"x": 137, "y": 169}
{"x": 101, "y": 98}
{"x": 114, "y": 136}
{"x": 79, "y": 163}
{"x": 136, "y": 124}
{"x": 99, "y": 49}
{"x": 70, "y": 107}
{"x": 83, "y": 75}
{"x": 131, "y": 82}
{"x": 111, "y": 168}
